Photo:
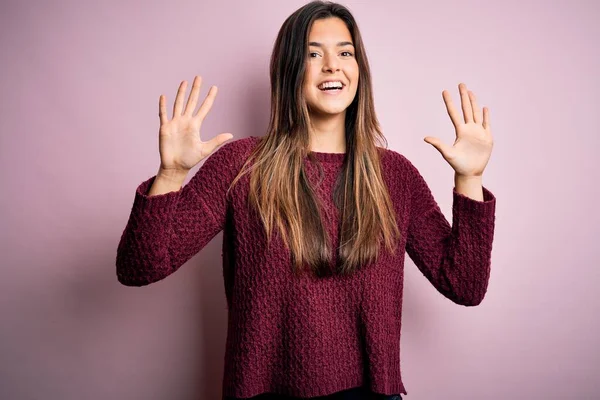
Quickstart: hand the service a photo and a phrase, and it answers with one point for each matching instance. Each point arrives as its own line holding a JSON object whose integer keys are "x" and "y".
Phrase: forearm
{"x": 166, "y": 182}
{"x": 470, "y": 186}
{"x": 160, "y": 232}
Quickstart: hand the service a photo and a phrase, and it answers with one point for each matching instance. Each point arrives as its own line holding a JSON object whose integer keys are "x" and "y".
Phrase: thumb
{"x": 219, "y": 140}
{"x": 438, "y": 144}
{"x": 223, "y": 137}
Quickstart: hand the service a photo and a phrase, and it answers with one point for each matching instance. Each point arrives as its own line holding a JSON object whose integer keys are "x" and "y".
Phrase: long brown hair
{"x": 279, "y": 188}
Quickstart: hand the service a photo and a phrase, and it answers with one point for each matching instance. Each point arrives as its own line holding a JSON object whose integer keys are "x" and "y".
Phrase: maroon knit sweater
{"x": 308, "y": 336}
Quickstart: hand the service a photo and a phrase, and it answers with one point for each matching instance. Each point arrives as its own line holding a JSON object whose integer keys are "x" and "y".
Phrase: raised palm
{"x": 471, "y": 151}
{"x": 180, "y": 145}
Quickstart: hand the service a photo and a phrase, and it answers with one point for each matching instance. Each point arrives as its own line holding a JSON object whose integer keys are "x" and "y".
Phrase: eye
{"x": 349, "y": 53}
{"x": 310, "y": 54}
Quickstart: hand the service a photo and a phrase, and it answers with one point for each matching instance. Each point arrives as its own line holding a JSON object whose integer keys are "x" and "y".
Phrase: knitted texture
{"x": 307, "y": 336}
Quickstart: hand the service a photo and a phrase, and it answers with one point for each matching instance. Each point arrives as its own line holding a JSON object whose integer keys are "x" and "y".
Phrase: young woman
{"x": 316, "y": 220}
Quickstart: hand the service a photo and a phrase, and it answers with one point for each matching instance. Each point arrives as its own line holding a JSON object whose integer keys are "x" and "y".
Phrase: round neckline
{"x": 328, "y": 157}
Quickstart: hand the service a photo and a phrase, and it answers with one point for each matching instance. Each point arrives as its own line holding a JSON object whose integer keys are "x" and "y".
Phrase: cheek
{"x": 352, "y": 72}
{"x": 356, "y": 72}
{"x": 308, "y": 90}
{"x": 312, "y": 72}
{"x": 308, "y": 84}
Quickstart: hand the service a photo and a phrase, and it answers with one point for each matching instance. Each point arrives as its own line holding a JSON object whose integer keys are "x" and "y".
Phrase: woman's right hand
{"x": 180, "y": 145}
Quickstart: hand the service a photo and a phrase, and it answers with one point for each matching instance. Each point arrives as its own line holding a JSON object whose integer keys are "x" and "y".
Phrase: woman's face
{"x": 330, "y": 57}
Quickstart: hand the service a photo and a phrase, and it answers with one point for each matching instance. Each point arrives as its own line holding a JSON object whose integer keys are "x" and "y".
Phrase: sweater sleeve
{"x": 164, "y": 231}
{"x": 455, "y": 259}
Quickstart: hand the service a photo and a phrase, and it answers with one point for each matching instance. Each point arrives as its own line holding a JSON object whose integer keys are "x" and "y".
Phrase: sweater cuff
{"x": 462, "y": 203}
{"x": 163, "y": 202}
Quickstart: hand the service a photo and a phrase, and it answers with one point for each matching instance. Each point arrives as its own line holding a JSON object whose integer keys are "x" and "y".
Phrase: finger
{"x": 193, "y": 99}
{"x": 162, "y": 110}
{"x": 207, "y": 103}
{"x": 438, "y": 144}
{"x": 219, "y": 140}
{"x": 179, "y": 99}
{"x": 486, "y": 119}
{"x": 450, "y": 108}
{"x": 465, "y": 102}
{"x": 476, "y": 111}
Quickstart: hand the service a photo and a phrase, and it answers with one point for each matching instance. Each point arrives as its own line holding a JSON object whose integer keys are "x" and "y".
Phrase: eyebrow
{"x": 340, "y": 44}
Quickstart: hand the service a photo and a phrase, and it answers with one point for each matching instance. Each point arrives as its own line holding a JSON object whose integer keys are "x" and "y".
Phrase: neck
{"x": 328, "y": 133}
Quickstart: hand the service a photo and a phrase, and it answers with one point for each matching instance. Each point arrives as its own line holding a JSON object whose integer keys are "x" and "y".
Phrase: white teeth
{"x": 330, "y": 85}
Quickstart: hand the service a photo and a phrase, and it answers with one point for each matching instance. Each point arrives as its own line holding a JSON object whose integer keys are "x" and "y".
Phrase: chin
{"x": 324, "y": 110}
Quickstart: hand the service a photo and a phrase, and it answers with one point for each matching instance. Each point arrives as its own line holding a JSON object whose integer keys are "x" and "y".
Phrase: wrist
{"x": 458, "y": 176}
{"x": 470, "y": 186}
{"x": 172, "y": 175}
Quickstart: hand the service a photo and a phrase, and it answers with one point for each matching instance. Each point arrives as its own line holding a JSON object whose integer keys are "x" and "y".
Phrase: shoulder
{"x": 404, "y": 177}
{"x": 237, "y": 147}
{"x": 400, "y": 171}
{"x": 396, "y": 161}
{"x": 225, "y": 162}
{"x": 233, "y": 153}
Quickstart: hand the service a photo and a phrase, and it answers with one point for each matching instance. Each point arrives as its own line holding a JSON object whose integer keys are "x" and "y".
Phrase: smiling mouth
{"x": 331, "y": 86}
{"x": 332, "y": 89}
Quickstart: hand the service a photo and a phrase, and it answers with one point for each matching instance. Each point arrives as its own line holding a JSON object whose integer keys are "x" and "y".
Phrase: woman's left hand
{"x": 469, "y": 154}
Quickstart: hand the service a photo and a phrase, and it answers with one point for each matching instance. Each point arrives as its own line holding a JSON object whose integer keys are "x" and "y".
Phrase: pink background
{"x": 79, "y": 132}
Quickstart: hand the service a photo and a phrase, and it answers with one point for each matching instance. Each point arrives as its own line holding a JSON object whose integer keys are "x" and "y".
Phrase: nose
{"x": 331, "y": 63}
